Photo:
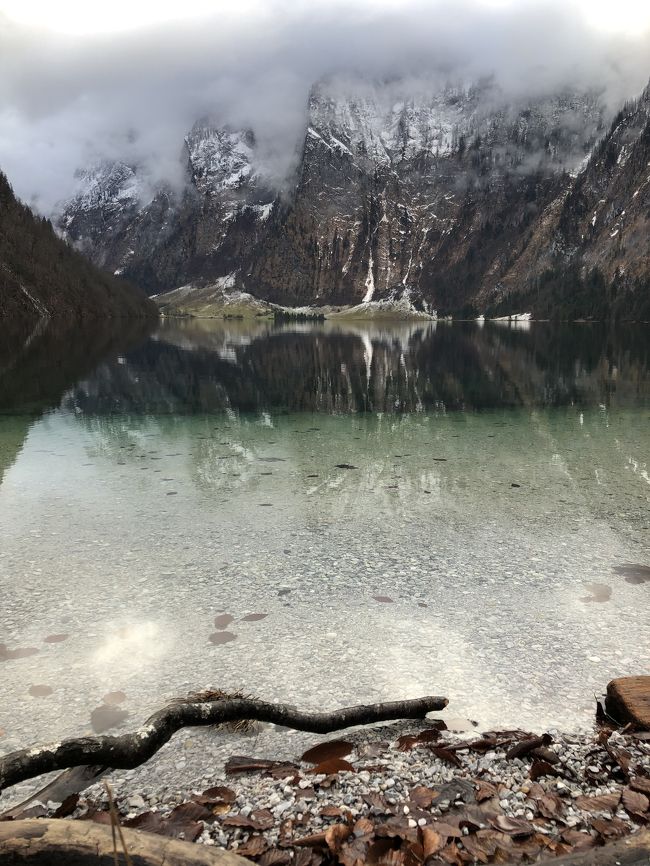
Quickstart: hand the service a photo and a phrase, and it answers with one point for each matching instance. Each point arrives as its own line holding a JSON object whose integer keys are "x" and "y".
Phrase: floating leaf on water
{"x": 40, "y": 691}
{"x": 114, "y": 698}
{"x": 385, "y": 599}
{"x": 634, "y": 572}
{"x": 105, "y": 717}
{"x": 327, "y": 751}
{"x": 220, "y": 637}
{"x": 55, "y": 638}
{"x": 254, "y": 617}
{"x": 600, "y": 592}
{"x": 223, "y": 620}
{"x": 20, "y": 653}
{"x": 346, "y": 466}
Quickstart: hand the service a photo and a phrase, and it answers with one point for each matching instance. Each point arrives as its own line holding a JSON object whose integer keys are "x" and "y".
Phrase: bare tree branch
{"x": 130, "y": 750}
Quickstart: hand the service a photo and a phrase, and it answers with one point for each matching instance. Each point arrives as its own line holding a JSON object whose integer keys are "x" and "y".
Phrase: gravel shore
{"x": 401, "y": 791}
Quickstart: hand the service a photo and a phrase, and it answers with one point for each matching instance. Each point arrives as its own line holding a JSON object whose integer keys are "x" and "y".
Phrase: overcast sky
{"x": 79, "y": 80}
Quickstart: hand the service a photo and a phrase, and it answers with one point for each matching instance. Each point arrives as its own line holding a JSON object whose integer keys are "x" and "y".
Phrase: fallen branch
{"x": 131, "y": 750}
{"x": 45, "y": 842}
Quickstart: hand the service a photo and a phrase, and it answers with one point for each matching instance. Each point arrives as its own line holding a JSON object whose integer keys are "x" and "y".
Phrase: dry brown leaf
{"x": 423, "y": 797}
{"x": 636, "y": 803}
{"x": 524, "y": 747}
{"x": 539, "y": 769}
{"x": 316, "y": 840}
{"x": 480, "y": 849}
{"x": 217, "y": 794}
{"x": 578, "y": 840}
{"x": 512, "y": 826}
{"x": 333, "y": 765}
{"x": 363, "y": 827}
{"x": 446, "y": 755}
{"x": 432, "y": 841}
{"x": 393, "y": 858}
{"x": 242, "y": 764}
{"x": 336, "y": 835}
{"x": 484, "y": 790}
{"x": 450, "y": 854}
{"x": 275, "y": 857}
{"x": 331, "y": 812}
{"x": 642, "y": 784}
{"x": 327, "y": 751}
{"x": 447, "y": 830}
{"x": 376, "y": 801}
{"x": 254, "y": 847}
{"x": 610, "y": 827}
{"x": 550, "y": 805}
{"x": 601, "y": 803}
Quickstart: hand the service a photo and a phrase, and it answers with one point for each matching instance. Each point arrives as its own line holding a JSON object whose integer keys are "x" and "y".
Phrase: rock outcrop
{"x": 454, "y": 197}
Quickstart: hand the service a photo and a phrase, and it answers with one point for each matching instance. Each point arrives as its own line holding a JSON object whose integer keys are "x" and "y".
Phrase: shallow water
{"x": 487, "y": 540}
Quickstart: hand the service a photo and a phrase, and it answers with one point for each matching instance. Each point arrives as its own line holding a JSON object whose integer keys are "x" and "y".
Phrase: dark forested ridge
{"x": 42, "y": 277}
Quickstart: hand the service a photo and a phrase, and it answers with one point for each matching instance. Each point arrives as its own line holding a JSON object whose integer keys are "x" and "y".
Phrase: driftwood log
{"x": 56, "y": 842}
{"x": 131, "y": 750}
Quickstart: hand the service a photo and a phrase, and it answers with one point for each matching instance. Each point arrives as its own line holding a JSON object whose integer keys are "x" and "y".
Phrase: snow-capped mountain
{"x": 432, "y": 193}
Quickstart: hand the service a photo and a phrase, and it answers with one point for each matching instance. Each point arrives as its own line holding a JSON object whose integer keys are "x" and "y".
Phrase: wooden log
{"x": 628, "y": 700}
{"x": 130, "y": 750}
{"x": 633, "y": 850}
{"x": 56, "y": 842}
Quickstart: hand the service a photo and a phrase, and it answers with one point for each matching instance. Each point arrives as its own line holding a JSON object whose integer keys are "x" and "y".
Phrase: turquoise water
{"x": 414, "y": 509}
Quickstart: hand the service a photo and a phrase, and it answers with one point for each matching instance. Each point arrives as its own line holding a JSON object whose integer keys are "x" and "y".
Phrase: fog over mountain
{"x": 133, "y": 96}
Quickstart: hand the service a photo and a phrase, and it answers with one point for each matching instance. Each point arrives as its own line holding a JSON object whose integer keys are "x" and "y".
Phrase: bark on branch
{"x": 130, "y": 750}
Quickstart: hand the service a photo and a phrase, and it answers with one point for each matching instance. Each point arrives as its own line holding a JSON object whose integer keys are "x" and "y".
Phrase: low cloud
{"x": 67, "y": 101}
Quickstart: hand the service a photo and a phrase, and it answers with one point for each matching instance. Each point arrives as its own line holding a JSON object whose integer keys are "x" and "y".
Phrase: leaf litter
{"x": 436, "y": 799}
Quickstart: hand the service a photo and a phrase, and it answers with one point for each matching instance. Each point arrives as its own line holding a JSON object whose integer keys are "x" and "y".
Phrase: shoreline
{"x": 465, "y": 797}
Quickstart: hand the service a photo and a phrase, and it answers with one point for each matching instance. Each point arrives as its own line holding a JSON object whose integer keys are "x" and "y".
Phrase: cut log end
{"x": 628, "y": 701}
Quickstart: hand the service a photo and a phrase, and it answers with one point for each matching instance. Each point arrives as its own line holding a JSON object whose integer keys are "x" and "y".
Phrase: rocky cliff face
{"x": 443, "y": 195}
{"x": 595, "y": 237}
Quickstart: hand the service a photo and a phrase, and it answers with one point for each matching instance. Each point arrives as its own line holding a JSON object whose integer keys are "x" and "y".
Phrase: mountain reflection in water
{"x": 199, "y": 366}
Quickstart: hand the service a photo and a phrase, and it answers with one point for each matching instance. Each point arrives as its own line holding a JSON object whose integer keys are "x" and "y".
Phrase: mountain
{"x": 591, "y": 248}
{"x": 451, "y": 197}
{"x": 42, "y": 278}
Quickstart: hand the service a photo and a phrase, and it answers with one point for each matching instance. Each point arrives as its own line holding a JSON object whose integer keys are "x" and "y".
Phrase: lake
{"x": 322, "y": 514}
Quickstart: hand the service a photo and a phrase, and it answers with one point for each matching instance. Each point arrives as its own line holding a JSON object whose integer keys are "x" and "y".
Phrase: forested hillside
{"x": 42, "y": 277}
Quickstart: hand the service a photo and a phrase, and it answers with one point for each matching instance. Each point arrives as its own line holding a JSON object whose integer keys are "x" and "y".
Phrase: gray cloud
{"x": 65, "y": 101}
